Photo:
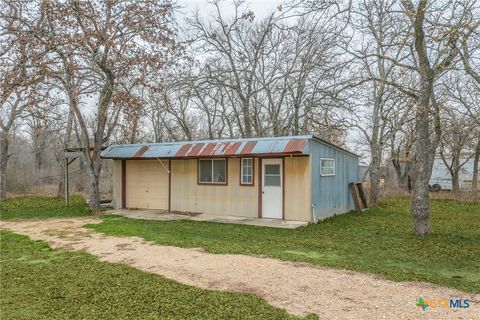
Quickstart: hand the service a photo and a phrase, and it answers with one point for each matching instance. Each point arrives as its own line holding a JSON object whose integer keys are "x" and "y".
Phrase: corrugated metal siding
{"x": 441, "y": 174}
{"x": 297, "y": 189}
{"x": 117, "y": 184}
{"x": 147, "y": 184}
{"x": 330, "y": 194}
{"x": 231, "y": 199}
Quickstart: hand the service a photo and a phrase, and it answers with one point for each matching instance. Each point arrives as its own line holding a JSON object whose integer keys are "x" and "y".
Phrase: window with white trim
{"x": 272, "y": 176}
{"x": 327, "y": 167}
{"x": 212, "y": 171}
{"x": 246, "y": 171}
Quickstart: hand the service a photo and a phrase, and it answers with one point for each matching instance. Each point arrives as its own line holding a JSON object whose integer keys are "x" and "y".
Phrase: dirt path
{"x": 298, "y": 288}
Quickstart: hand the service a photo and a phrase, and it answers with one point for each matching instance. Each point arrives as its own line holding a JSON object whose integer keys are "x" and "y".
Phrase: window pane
{"x": 246, "y": 179}
{"x": 327, "y": 163}
{"x": 272, "y": 169}
{"x": 272, "y": 180}
{"x": 219, "y": 171}
{"x": 327, "y": 170}
{"x": 327, "y": 166}
{"x": 247, "y": 162}
{"x": 247, "y": 169}
{"x": 205, "y": 170}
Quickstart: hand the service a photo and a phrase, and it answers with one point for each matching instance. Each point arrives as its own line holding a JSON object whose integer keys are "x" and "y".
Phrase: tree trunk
{"x": 93, "y": 189}
{"x": 133, "y": 134}
{"x": 247, "y": 120}
{"x": 455, "y": 182}
{"x": 38, "y": 159}
{"x": 420, "y": 204}
{"x": 422, "y": 167}
{"x": 92, "y": 161}
{"x": 475, "y": 167}
{"x": 405, "y": 176}
{"x": 66, "y": 141}
{"x": 455, "y": 175}
{"x": 93, "y": 167}
{"x": 296, "y": 121}
{"x": 3, "y": 164}
{"x": 425, "y": 146}
{"x": 375, "y": 175}
{"x": 398, "y": 171}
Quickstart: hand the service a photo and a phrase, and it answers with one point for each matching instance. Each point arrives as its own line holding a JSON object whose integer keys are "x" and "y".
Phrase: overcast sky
{"x": 259, "y": 7}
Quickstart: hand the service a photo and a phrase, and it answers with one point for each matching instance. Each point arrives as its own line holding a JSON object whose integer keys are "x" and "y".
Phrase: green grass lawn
{"x": 41, "y": 283}
{"x": 377, "y": 241}
{"x": 36, "y": 207}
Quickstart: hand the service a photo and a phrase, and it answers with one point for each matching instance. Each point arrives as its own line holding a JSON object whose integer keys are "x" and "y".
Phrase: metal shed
{"x": 441, "y": 175}
{"x": 292, "y": 178}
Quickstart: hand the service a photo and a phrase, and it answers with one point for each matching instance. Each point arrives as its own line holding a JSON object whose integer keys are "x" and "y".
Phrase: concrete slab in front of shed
{"x": 274, "y": 223}
{"x": 148, "y": 214}
{"x": 165, "y": 216}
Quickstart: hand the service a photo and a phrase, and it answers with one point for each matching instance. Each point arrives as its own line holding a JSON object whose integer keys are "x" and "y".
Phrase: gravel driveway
{"x": 299, "y": 288}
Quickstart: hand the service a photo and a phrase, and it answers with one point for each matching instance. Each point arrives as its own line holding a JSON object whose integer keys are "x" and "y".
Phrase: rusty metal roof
{"x": 295, "y": 145}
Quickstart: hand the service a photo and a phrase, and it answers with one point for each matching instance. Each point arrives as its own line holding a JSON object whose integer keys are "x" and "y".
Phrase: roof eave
{"x": 263, "y": 155}
{"x": 321, "y": 140}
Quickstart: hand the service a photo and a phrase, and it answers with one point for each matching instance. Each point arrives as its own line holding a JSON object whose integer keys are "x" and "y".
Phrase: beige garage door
{"x": 147, "y": 184}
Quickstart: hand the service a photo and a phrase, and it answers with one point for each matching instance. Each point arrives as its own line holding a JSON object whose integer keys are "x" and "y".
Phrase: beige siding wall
{"x": 231, "y": 199}
{"x": 297, "y": 189}
{"x": 117, "y": 184}
{"x": 147, "y": 184}
{"x": 187, "y": 195}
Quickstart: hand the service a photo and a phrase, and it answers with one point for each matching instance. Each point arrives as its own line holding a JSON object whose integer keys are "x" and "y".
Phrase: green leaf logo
{"x": 421, "y": 304}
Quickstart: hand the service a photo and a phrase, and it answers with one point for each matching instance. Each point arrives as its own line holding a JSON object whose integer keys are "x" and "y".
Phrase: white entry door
{"x": 272, "y": 188}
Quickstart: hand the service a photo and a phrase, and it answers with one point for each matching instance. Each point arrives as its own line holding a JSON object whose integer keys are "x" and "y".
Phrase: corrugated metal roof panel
{"x": 248, "y": 147}
{"x": 166, "y": 150}
{"x": 183, "y": 150}
{"x": 211, "y": 148}
{"x": 208, "y": 150}
{"x": 121, "y": 151}
{"x": 140, "y": 152}
{"x": 231, "y": 148}
{"x": 295, "y": 146}
{"x": 195, "y": 149}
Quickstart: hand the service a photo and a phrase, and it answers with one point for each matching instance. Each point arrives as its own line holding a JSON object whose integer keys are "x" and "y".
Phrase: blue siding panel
{"x": 330, "y": 194}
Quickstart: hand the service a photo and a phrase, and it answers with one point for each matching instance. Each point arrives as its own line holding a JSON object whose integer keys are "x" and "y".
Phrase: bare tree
{"x": 470, "y": 52}
{"x": 470, "y": 49}
{"x": 21, "y": 71}
{"x": 272, "y": 77}
{"x": 401, "y": 143}
{"x": 423, "y": 59}
{"x": 114, "y": 43}
{"x": 383, "y": 110}
{"x": 234, "y": 47}
{"x": 41, "y": 123}
{"x": 445, "y": 24}
{"x": 465, "y": 93}
{"x": 456, "y": 135}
